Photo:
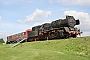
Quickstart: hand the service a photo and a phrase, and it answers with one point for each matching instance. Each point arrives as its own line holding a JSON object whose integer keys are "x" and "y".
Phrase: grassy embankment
{"x": 64, "y": 49}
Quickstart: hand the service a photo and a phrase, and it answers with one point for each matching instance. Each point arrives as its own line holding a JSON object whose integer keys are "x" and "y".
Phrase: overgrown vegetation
{"x": 1, "y": 41}
{"x": 61, "y": 49}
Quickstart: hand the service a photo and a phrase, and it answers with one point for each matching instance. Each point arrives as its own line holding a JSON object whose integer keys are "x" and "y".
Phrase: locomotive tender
{"x": 61, "y": 28}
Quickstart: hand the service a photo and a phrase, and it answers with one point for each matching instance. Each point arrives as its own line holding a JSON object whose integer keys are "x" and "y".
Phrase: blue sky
{"x": 19, "y": 15}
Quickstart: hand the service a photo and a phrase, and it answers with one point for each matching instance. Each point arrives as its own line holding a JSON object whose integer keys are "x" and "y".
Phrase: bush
{"x": 1, "y": 41}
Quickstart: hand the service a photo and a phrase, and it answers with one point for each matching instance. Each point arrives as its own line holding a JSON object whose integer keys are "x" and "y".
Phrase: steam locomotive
{"x": 61, "y": 28}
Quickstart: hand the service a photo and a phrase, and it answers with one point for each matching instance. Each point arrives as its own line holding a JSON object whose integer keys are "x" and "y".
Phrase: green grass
{"x": 61, "y": 49}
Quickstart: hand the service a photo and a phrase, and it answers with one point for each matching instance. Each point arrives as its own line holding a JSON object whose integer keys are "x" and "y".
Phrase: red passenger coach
{"x": 18, "y": 37}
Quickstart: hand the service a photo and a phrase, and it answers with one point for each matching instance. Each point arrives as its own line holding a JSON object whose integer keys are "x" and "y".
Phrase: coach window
{"x": 19, "y": 34}
{"x": 16, "y": 35}
{"x": 22, "y": 34}
{"x": 13, "y": 36}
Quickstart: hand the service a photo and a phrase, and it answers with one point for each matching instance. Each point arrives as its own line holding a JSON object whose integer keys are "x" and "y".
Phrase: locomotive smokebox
{"x": 77, "y": 22}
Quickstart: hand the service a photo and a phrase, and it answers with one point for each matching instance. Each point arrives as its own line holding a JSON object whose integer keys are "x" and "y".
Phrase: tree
{"x": 1, "y": 41}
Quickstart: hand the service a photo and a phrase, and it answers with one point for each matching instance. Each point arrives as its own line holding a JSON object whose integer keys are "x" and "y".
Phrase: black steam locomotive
{"x": 61, "y": 28}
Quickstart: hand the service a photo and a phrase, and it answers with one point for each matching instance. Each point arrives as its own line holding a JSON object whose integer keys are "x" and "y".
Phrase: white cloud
{"x": 0, "y": 18}
{"x": 14, "y": 1}
{"x": 73, "y": 2}
{"x": 37, "y": 15}
{"x": 84, "y": 20}
{"x": 11, "y": 26}
{"x": 40, "y": 23}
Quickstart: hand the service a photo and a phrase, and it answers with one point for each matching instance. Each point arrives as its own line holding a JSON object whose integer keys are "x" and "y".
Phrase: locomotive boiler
{"x": 68, "y": 22}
